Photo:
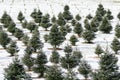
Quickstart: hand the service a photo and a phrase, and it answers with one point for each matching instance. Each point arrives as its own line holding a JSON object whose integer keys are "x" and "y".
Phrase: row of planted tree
{"x": 59, "y": 27}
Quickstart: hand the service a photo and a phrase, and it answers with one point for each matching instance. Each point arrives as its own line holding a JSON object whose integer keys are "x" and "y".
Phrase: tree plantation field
{"x": 59, "y": 40}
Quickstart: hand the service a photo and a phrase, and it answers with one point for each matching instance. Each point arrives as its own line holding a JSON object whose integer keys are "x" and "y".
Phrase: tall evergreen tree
{"x": 39, "y": 65}
{"x": 73, "y": 40}
{"x": 16, "y": 71}
{"x": 20, "y": 16}
{"x": 98, "y": 50}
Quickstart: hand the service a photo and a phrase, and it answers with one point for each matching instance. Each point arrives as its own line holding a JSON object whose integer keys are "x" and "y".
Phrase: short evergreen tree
{"x": 55, "y": 36}
{"x": 25, "y": 39}
{"x": 18, "y": 33}
{"x": 73, "y": 22}
{"x": 109, "y": 15}
{"x": 78, "y": 29}
{"x": 88, "y": 36}
{"x": 61, "y": 21}
{"x": 68, "y": 49}
{"x": 29, "y": 50}
{"x": 98, "y": 50}
{"x": 89, "y": 16}
{"x": 77, "y": 17}
{"x": 34, "y": 14}
{"x": 31, "y": 26}
{"x": 16, "y": 71}
{"x": 4, "y": 39}
{"x": 12, "y": 48}
{"x": 78, "y": 55}
{"x": 118, "y": 16}
{"x": 84, "y": 69}
{"x": 24, "y": 24}
{"x": 45, "y": 21}
{"x": 73, "y": 40}
{"x": 87, "y": 24}
{"x": 38, "y": 17}
{"x": 28, "y": 61}
{"x": 117, "y": 31}
{"x": 46, "y": 37}
{"x": 68, "y": 28}
{"x": 54, "y": 73}
{"x": 39, "y": 65}
{"x": 105, "y": 26}
{"x": 94, "y": 25}
{"x": 53, "y": 19}
{"x": 11, "y": 27}
{"x": 55, "y": 57}
{"x": 115, "y": 45}
{"x": 63, "y": 30}
{"x": 20, "y": 17}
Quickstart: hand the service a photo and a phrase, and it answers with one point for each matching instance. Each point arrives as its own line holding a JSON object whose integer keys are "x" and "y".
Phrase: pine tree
{"x": 78, "y": 29}
{"x": 73, "y": 40}
{"x": 11, "y": 27}
{"x": 87, "y": 24}
{"x": 94, "y": 25}
{"x": 68, "y": 28}
{"x": 68, "y": 49}
{"x": 118, "y": 16}
{"x": 31, "y": 26}
{"x": 63, "y": 31}
{"x": 39, "y": 65}
{"x": 29, "y": 50}
{"x": 54, "y": 73}
{"x": 18, "y": 33}
{"x": 38, "y": 17}
{"x": 73, "y": 22}
{"x": 12, "y": 48}
{"x": 66, "y": 14}
{"x": 34, "y": 14}
{"x": 88, "y": 36}
{"x": 28, "y": 61}
{"x": 16, "y": 71}
{"x": 89, "y": 16}
{"x": 55, "y": 57}
{"x": 84, "y": 69}
{"x": 77, "y": 17}
{"x": 46, "y": 37}
{"x": 53, "y": 19}
{"x": 115, "y": 45}
{"x": 55, "y": 36}
{"x": 4, "y": 39}
{"x": 105, "y": 26}
{"x": 108, "y": 68}
{"x": 25, "y": 39}
{"x": 98, "y": 50}
{"x": 117, "y": 31}
{"x": 78, "y": 55}
{"x": 45, "y": 21}
{"x": 20, "y": 17}
{"x": 24, "y": 24}
{"x": 61, "y": 21}
{"x": 109, "y": 15}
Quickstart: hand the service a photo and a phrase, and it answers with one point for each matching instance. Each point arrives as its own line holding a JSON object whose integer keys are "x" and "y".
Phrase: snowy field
{"x": 53, "y": 7}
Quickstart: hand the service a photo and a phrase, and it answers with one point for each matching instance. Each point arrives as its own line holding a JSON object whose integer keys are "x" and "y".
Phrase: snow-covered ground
{"x": 53, "y": 7}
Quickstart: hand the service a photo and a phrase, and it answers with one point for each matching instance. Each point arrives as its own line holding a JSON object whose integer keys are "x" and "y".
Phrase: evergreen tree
{"x": 118, "y": 16}
{"x": 55, "y": 36}
{"x": 16, "y": 71}
{"x": 84, "y": 69}
{"x": 87, "y": 24}
{"x": 78, "y": 29}
{"x": 28, "y": 61}
{"x": 45, "y": 21}
{"x": 12, "y": 48}
{"x": 98, "y": 50}
{"x": 108, "y": 68}
{"x": 68, "y": 49}
{"x": 115, "y": 45}
{"x": 77, "y": 17}
{"x": 53, "y": 19}
{"x": 89, "y": 16}
{"x": 94, "y": 25}
{"x": 38, "y": 17}
{"x": 66, "y": 14}
{"x": 25, "y": 39}
{"x": 18, "y": 33}
{"x": 20, "y": 17}
{"x": 39, "y": 65}
{"x": 117, "y": 31}
{"x": 88, "y": 35}
{"x": 68, "y": 28}
{"x": 55, "y": 57}
{"x": 78, "y": 55}
{"x": 46, "y": 37}
{"x": 109, "y": 15}
{"x": 54, "y": 73}
{"x": 31, "y": 26}
{"x": 34, "y": 14}
{"x": 61, "y": 21}
{"x": 63, "y": 30}
{"x": 73, "y": 22}
{"x": 73, "y": 40}
{"x": 105, "y": 26}
{"x": 29, "y": 50}
{"x": 4, "y": 39}
{"x": 24, "y": 24}
{"x": 11, "y": 27}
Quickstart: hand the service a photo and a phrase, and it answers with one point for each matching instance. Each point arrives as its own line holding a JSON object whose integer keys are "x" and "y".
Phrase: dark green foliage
{"x": 88, "y": 36}
{"x": 73, "y": 22}
{"x": 78, "y": 55}
{"x": 78, "y": 29}
{"x": 24, "y": 24}
{"x": 25, "y": 39}
{"x": 12, "y": 48}
{"x": 68, "y": 28}
{"x": 73, "y": 40}
{"x": 115, "y": 45}
{"x": 87, "y": 24}
{"x": 63, "y": 30}
{"x": 31, "y": 26}
{"x": 54, "y": 73}
{"x": 4, "y": 39}
{"x": 105, "y": 26}
{"x": 45, "y": 21}
{"x": 84, "y": 69}
{"x": 100, "y": 10}
{"x": 98, "y": 50}
{"x": 68, "y": 49}
{"x": 36, "y": 31}
{"x": 108, "y": 68}
{"x": 20, "y": 17}
{"x": 109, "y": 15}
{"x": 77, "y": 17}
{"x": 11, "y": 27}
{"x": 39, "y": 65}
{"x": 89, "y": 16}
{"x": 118, "y": 16}
{"x": 55, "y": 36}
{"x": 34, "y": 14}
{"x": 18, "y": 33}
{"x": 61, "y": 21}
{"x": 28, "y": 61}
{"x": 16, "y": 71}
{"x": 94, "y": 25}
{"x": 38, "y": 17}
{"x": 46, "y": 37}
{"x": 117, "y": 31}
{"x": 29, "y": 50}
{"x": 55, "y": 57}
{"x": 53, "y": 19}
